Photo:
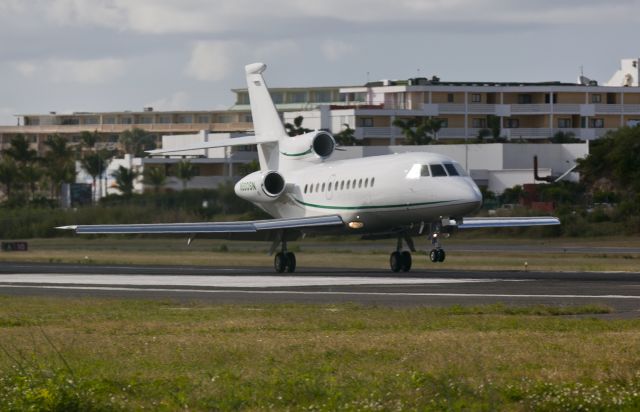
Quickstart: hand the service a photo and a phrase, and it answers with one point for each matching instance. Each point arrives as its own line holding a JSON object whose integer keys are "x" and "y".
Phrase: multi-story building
{"x": 523, "y": 111}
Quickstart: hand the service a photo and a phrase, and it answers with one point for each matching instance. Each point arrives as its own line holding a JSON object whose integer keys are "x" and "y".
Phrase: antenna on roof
{"x": 367, "y": 77}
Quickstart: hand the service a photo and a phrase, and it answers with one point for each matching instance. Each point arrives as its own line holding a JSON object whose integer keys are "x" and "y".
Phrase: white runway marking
{"x": 223, "y": 281}
{"x": 298, "y": 292}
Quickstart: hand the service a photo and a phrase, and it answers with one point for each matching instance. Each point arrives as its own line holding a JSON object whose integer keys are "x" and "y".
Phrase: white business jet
{"x": 396, "y": 196}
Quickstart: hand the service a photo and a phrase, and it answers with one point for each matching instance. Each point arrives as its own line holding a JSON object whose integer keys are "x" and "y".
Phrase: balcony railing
{"x": 119, "y": 128}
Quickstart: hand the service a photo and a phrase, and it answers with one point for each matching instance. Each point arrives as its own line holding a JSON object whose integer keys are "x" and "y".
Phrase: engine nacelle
{"x": 316, "y": 144}
{"x": 261, "y": 186}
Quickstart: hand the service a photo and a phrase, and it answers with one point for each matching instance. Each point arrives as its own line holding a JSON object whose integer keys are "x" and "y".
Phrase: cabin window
{"x": 305, "y": 188}
{"x": 342, "y": 185}
{"x": 366, "y": 182}
{"x": 317, "y": 187}
{"x": 311, "y": 188}
{"x": 437, "y": 170}
{"x": 322, "y": 188}
{"x": 329, "y": 187}
{"x": 353, "y": 184}
{"x": 373, "y": 179}
{"x": 450, "y": 169}
{"x": 359, "y": 183}
{"x": 348, "y": 184}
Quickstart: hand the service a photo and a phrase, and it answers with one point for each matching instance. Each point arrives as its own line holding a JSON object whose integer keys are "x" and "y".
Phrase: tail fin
{"x": 266, "y": 121}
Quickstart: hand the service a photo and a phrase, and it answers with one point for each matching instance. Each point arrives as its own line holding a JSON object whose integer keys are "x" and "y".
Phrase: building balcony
{"x": 119, "y": 128}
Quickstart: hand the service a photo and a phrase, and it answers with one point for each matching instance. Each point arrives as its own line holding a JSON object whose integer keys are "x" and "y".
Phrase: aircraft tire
{"x": 291, "y": 262}
{"x": 433, "y": 255}
{"x": 441, "y": 255}
{"x": 280, "y": 262}
{"x": 406, "y": 261}
{"x": 395, "y": 262}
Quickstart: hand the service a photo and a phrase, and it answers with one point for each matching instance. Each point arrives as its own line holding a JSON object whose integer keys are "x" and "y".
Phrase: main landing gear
{"x": 400, "y": 260}
{"x": 283, "y": 261}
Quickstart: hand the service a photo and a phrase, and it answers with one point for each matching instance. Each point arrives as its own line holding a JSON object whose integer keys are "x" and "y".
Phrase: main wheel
{"x": 280, "y": 262}
{"x": 406, "y": 261}
{"x": 291, "y": 262}
{"x": 395, "y": 261}
{"x": 433, "y": 255}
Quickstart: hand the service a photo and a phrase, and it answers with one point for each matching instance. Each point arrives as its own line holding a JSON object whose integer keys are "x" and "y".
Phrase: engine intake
{"x": 273, "y": 184}
{"x": 323, "y": 144}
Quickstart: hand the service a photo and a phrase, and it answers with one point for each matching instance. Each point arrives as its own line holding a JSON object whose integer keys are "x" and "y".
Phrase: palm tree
{"x": 89, "y": 139}
{"x": 8, "y": 175}
{"x": 415, "y": 133}
{"x": 185, "y": 171}
{"x": 124, "y": 179}
{"x": 94, "y": 163}
{"x": 30, "y": 174}
{"x": 433, "y": 126}
{"x": 346, "y": 137}
{"x": 59, "y": 162}
{"x": 154, "y": 176}
{"x": 20, "y": 150}
{"x": 136, "y": 141}
{"x": 296, "y": 128}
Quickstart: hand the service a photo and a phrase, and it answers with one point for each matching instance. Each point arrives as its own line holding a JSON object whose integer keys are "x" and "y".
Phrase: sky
{"x": 101, "y": 55}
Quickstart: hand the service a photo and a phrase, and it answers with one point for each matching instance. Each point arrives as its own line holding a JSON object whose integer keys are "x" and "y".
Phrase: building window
{"x": 126, "y": 120}
{"x": 297, "y": 97}
{"x": 109, "y": 120}
{"x": 224, "y": 118}
{"x": 146, "y": 119}
{"x": 524, "y": 99}
{"x": 243, "y": 98}
{"x": 277, "y": 97}
{"x": 203, "y": 118}
{"x": 323, "y": 96}
{"x": 564, "y": 123}
{"x": 247, "y": 118}
{"x": 450, "y": 98}
{"x": 596, "y": 123}
{"x": 512, "y": 123}
{"x": 91, "y": 120}
{"x": 478, "y": 123}
{"x": 365, "y": 122}
{"x": 185, "y": 118}
{"x": 596, "y": 98}
{"x": 164, "y": 119}
{"x": 476, "y": 98}
{"x": 444, "y": 123}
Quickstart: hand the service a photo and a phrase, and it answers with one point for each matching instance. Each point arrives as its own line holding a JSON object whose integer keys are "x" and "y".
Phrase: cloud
{"x": 333, "y": 50}
{"x": 177, "y": 101}
{"x": 214, "y": 60}
{"x": 88, "y": 71}
{"x": 211, "y": 60}
{"x": 230, "y": 16}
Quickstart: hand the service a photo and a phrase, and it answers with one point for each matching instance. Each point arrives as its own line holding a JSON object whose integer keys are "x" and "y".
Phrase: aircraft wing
{"x": 246, "y": 227}
{"x": 480, "y": 222}
{"x": 234, "y": 141}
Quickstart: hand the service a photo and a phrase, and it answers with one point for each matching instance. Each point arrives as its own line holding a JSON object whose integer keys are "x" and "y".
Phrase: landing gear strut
{"x": 436, "y": 254}
{"x": 283, "y": 260}
{"x": 400, "y": 260}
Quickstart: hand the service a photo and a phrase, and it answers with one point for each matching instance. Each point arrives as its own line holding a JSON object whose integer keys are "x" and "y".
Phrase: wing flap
{"x": 208, "y": 227}
{"x": 483, "y": 222}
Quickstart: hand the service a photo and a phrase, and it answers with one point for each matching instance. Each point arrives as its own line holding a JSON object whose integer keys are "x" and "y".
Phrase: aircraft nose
{"x": 474, "y": 195}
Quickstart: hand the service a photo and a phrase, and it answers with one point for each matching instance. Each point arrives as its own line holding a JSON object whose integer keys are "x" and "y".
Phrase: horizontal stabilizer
{"x": 483, "y": 222}
{"x": 235, "y": 141}
{"x": 250, "y": 226}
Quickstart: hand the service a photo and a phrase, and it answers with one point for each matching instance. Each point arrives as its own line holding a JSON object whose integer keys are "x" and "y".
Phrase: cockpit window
{"x": 437, "y": 170}
{"x": 418, "y": 170}
{"x": 460, "y": 169}
{"x": 451, "y": 169}
{"x": 424, "y": 170}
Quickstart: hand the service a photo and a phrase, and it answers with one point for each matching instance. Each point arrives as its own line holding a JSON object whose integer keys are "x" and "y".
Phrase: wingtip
{"x": 72, "y": 227}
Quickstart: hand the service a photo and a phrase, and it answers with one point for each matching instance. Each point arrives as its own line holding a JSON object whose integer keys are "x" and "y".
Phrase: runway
{"x": 621, "y": 291}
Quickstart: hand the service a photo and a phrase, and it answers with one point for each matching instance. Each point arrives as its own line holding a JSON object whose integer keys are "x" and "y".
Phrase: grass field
{"x": 324, "y": 253}
{"x": 77, "y": 354}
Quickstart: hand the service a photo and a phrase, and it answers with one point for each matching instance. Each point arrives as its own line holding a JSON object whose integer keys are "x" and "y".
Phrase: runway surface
{"x": 621, "y": 291}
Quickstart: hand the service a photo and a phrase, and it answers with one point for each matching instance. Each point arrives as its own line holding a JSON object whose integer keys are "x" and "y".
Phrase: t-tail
{"x": 267, "y": 124}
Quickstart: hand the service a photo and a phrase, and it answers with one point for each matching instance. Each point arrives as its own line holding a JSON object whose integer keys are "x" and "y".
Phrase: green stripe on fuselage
{"x": 296, "y": 154}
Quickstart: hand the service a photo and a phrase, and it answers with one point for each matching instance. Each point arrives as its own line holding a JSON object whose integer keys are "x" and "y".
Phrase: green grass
{"x": 101, "y": 354}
